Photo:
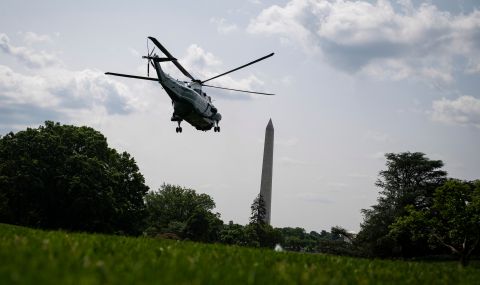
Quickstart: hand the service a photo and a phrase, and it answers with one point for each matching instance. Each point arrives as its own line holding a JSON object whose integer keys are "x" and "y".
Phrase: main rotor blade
{"x": 131, "y": 76}
{"x": 245, "y": 65}
{"x": 165, "y": 51}
{"x": 253, "y": 92}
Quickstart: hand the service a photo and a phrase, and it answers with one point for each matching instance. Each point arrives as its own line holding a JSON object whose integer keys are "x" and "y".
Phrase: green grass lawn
{"x": 51, "y": 257}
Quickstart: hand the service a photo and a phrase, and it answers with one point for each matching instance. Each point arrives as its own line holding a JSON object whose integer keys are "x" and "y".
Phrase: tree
{"x": 343, "y": 233}
{"x": 66, "y": 177}
{"x": 203, "y": 226}
{"x": 259, "y": 212}
{"x": 296, "y": 239}
{"x": 258, "y": 232}
{"x": 262, "y": 235}
{"x": 410, "y": 179}
{"x": 453, "y": 221}
{"x": 175, "y": 204}
{"x": 232, "y": 233}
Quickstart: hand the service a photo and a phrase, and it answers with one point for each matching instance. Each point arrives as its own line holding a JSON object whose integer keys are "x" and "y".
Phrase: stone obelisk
{"x": 267, "y": 171}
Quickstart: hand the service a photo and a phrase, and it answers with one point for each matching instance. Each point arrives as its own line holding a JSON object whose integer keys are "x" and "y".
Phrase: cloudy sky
{"x": 354, "y": 80}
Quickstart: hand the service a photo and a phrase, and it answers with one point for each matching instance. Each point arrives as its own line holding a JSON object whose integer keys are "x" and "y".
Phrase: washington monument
{"x": 267, "y": 171}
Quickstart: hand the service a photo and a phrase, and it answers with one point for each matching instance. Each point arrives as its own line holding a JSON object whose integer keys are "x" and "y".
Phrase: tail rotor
{"x": 149, "y": 55}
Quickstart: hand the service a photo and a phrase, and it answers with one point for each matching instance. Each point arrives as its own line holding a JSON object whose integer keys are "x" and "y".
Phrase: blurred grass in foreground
{"x": 53, "y": 257}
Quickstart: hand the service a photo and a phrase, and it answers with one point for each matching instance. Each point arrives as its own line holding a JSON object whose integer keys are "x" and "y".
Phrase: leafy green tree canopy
{"x": 176, "y": 204}
{"x": 259, "y": 211}
{"x": 410, "y": 179}
{"x": 232, "y": 233}
{"x": 258, "y": 232}
{"x": 203, "y": 226}
{"x": 453, "y": 221}
{"x": 61, "y": 176}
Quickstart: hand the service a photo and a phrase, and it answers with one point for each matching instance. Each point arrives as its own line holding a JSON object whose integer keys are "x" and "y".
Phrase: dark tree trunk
{"x": 464, "y": 259}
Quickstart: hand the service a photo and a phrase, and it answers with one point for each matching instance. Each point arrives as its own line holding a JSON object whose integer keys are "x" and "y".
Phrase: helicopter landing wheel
{"x": 216, "y": 128}
{"x": 178, "y": 129}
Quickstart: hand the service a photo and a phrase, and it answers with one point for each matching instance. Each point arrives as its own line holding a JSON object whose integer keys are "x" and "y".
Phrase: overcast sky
{"x": 354, "y": 80}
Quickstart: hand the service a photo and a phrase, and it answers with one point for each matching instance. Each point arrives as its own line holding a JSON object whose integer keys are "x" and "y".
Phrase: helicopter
{"x": 189, "y": 102}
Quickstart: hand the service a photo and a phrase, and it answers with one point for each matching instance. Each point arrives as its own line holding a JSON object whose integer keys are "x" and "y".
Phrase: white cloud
{"x": 31, "y": 38}
{"x": 222, "y": 26}
{"x": 63, "y": 92}
{"x": 199, "y": 59}
{"x": 30, "y": 57}
{"x": 464, "y": 110}
{"x": 88, "y": 88}
{"x": 21, "y": 89}
{"x": 287, "y": 22}
{"x": 54, "y": 92}
{"x": 375, "y": 38}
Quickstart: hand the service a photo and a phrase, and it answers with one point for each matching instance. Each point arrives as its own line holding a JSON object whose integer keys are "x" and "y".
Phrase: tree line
{"x": 66, "y": 177}
{"x": 421, "y": 212}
